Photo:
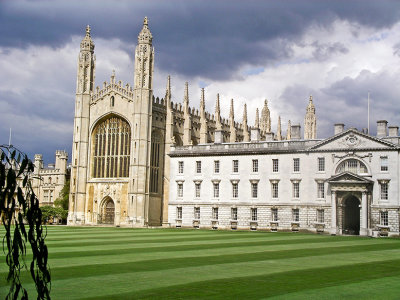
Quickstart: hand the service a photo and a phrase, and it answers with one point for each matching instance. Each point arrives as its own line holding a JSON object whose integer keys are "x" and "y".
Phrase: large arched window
{"x": 352, "y": 165}
{"x": 111, "y": 149}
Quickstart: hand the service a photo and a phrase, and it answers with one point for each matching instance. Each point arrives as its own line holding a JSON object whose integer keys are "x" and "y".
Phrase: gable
{"x": 352, "y": 139}
{"x": 348, "y": 177}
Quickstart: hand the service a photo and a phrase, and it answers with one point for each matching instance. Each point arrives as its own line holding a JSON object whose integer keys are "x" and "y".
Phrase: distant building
{"x": 48, "y": 182}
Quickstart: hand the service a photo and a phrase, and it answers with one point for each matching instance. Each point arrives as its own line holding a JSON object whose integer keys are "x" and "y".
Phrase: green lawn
{"x": 121, "y": 263}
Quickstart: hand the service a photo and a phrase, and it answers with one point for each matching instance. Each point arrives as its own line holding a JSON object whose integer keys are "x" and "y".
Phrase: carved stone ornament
{"x": 351, "y": 141}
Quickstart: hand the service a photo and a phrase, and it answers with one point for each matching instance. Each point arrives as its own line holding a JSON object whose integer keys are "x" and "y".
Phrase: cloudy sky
{"x": 282, "y": 51}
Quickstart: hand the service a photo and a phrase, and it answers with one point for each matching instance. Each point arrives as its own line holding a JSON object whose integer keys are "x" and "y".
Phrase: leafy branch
{"x": 22, "y": 220}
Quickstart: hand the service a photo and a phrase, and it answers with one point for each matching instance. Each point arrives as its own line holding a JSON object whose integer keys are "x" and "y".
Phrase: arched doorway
{"x": 108, "y": 211}
{"x": 351, "y": 217}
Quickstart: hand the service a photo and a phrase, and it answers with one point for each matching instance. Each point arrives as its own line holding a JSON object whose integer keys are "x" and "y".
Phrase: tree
{"x": 22, "y": 220}
{"x": 63, "y": 198}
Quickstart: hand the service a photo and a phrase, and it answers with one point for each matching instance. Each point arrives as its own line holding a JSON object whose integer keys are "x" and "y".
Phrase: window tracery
{"x": 352, "y": 165}
{"x": 111, "y": 151}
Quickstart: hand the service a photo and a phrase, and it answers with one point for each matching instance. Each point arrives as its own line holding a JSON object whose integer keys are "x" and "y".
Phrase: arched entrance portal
{"x": 351, "y": 218}
{"x": 108, "y": 211}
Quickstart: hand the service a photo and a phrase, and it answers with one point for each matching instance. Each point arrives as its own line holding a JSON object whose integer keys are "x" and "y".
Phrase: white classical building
{"x": 345, "y": 184}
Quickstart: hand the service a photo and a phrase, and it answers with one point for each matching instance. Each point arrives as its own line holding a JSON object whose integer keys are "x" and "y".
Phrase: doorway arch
{"x": 351, "y": 215}
{"x": 108, "y": 211}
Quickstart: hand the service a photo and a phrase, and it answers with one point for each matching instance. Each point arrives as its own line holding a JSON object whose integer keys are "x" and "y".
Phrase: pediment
{"x": 348, "y": 177}
{"x": 352, "y": 139}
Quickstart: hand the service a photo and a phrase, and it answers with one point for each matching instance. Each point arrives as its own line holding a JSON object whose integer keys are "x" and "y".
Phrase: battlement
{"x": 62, "y": 153}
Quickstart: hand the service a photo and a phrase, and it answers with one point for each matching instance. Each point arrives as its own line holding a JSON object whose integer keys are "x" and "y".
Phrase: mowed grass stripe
{"x": 131, "y": 256}
{"x": 170, "y": 263}
{"x": 358, "y": 281}
{"x": 105, "y": 285}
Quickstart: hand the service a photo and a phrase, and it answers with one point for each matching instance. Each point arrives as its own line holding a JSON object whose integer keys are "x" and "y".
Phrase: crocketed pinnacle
{"x": 87, "y": 43}
{"x": 145, "y": 36}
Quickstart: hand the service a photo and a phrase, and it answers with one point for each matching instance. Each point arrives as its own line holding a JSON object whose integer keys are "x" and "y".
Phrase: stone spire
{"x": 279, "y": 130}
{"x": 112, "y": 78}
{"x": 232, "y": 127}
{"x": 310, "y": 121}
{"x": 87, "y": 43}
{"x": 257, "y": 123}
{"x": 145, "y": 36}
{"x": 218, "y": 125}
{"x": 203, "y": 119}
{"x": 289, "y": 131}
{"x": 187, "y": 130}
{"x": 246, "y": 134}
{"x": 265, "y": 125}
{"x": 168, "y": 92}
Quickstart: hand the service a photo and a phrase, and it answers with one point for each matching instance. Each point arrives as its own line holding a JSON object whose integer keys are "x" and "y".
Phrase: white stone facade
{"x": 351, "y": 166}
{"x": 48, "y": 182}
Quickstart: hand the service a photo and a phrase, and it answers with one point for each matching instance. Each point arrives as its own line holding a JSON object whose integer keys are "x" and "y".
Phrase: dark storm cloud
{"x": 193, "y": 38}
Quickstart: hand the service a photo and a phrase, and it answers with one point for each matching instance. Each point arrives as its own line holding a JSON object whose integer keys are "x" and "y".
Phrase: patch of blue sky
{"x": 253, "y": 71}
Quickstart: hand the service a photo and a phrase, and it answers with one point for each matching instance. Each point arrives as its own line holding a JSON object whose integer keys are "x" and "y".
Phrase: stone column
{"x": 364, "y": 215}
{"x": 333, "y": 221}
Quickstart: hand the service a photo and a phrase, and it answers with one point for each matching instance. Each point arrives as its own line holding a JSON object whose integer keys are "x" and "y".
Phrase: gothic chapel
{"x": 120, "y": 172}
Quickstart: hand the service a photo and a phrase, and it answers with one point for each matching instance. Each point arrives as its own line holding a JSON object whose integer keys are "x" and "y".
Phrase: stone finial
{"x": 231, "y": 112}
{"x": 246, "y": 134}
{"x": 257, "y": 122}
{"x": 186, "y": 98}
{"x": 145, "y": 36}
{"x": 279, "y": 130}
{"x": 310, "y": 121}
{"x": 203, "y": 120}
{"x": 218, "y": 115}
{"x": 112, "y": 76}
{"x": 88, "y": 30}
{"x": 202, "y": 100}
{"x": 87, "y": 43}
{"x": 289, "y": 131}
{"x": 232, "y": 128}
{"x": 168, "y": 91}
{"x": 265, "y": 125}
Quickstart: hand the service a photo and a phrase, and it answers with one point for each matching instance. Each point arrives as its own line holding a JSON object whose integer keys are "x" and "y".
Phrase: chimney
{"x": 255, "y": 134}
{"x": 339, "y": 128}
{"x": 381, "y": 130}
{"x": 393, "y": 130}
{"x": 269, "y": 136}
{"x": 219, "y": 137}
{"x": 296, "y": 132}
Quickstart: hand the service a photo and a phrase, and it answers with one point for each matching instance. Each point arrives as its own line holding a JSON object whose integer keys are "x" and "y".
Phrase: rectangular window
{"x": 275, "y": 190}
{"x": 235, "y": 166}
{"x": 275, "y": 165}
{"x": 296, "y": 164}
{"x": 180, "y": 167}
{"x": 216, "y": 190}
{"x": 234, "y": 213}
{"x": 254, "y": 190}
{"x": 255, "y": 165}
{"x": 274, "y": 214}
{"x": 197, "y": 190}
{"x": 384, "y": 164}
{"x": 51, "y": 196}
{"x": 321, "y": 190}
{"x": 320, "y": 216}
{"x": 215, "y": 213}
{"x": 46, "y": 195}
{"x": 384, "y": 191}
{"x": 296, "y": 190}
{"x": 216, "y": 166}
{"x": 295, "y": 215}
{"x": 384, "y": 218}
{"x": 197, "y": 213}
{"x": 198, "y": 167}
{"x": 179, "y": 212}
{"x": 180, "y": 190}
{"x": 321, "y": 164}
{"x": 235, "y": 190}
{"x": 253, "y": 214}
